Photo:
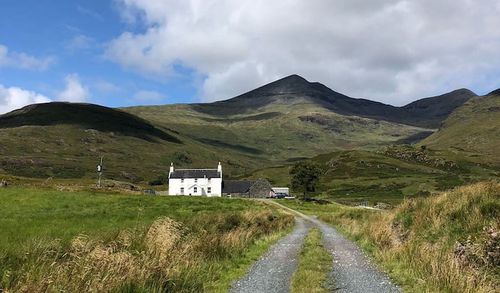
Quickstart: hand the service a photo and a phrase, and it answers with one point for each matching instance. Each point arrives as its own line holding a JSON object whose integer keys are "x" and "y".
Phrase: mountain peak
{"x": 494, "y": 93}
{"x": 290, "y": 84}
{"x": 292, "y": 78}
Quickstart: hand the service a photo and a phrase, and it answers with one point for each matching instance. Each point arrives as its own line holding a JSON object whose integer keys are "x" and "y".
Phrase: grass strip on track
{"x": 315, "y": 263}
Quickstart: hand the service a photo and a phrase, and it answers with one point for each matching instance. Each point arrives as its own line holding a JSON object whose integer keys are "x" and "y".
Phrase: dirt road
{"x": 352, "y": 270}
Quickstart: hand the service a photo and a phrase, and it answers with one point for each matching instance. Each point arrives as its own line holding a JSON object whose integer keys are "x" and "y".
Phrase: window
{"x": 182, "y": 180}
{"x": 195, "y": 180}
{"x": 182, "y": 190}
{"x": 209, "y": 180}
{"x": 195, "y": 190}
{"x": 209, "y": 189}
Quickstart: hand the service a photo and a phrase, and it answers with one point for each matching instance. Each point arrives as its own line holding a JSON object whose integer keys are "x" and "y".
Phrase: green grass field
{"x": 29, "y": 215}
{"x": 40, "y": 228}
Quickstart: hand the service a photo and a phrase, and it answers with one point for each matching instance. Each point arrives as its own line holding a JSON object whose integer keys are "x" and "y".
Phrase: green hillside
{"x": 473, "y": 129}
{"x": 387, "y": 175}
{"x": 279, "y": 132}
{"x": 60, "y": 140}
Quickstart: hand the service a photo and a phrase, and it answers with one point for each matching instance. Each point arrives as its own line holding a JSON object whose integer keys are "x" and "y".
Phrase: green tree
{"x": 305, "y": 175}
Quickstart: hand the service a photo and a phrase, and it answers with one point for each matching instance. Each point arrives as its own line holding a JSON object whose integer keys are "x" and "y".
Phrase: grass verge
{"x": 444, "y": 243}
{"x": 315, "y": 263}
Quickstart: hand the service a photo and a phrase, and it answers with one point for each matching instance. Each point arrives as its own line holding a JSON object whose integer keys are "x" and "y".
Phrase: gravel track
{"x": 273, "y": 272}
{"x": 352, "y": 269}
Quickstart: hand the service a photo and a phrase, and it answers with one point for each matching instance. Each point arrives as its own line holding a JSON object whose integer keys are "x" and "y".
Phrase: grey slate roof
{"x": 195, "y": 173}
{"x": 236, "y": 186}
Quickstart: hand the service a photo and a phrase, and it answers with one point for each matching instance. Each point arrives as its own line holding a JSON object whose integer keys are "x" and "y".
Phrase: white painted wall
{"x": 195, "y": 187}
{"x": 285, "y": 190}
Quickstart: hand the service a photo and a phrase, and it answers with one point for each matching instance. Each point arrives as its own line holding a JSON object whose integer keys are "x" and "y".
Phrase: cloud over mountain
{"x": 12, "y": 98}
{"x": 74, "y": 90}
{"x": 390, "y": 50}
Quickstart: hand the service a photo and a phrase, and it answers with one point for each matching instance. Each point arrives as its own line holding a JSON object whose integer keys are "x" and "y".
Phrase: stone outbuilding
{"x": 259, "y": 188}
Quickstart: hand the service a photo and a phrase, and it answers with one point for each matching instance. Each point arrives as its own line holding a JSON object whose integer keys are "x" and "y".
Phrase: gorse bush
{"x": 166, "y": 256}
{"x": 449, "y": 242}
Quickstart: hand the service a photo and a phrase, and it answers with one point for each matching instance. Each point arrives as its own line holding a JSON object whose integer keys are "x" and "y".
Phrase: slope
{"x": 388, "y": 175}
{"x": 428, "y": 112}
{"x": 86, "y": 116}
{"x": 473, "y": 128}
{"x": 432, "y": 111}
{"x": 288, "y": 119}
{"x": 62, "y": 140}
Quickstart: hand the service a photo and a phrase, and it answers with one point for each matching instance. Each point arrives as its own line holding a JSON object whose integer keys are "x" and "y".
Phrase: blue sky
{"x": 72, "y": 37}
{"x": 137, "y": 52}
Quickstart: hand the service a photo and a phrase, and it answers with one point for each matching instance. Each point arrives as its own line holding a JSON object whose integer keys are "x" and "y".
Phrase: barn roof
{"x": 195, "y": 173}
{"x": 236, "y": 186}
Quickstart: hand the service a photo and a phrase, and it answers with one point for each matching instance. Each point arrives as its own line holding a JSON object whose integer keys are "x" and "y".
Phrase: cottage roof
{"x": 236, "y": 186}
{"x": 195, "y": 173}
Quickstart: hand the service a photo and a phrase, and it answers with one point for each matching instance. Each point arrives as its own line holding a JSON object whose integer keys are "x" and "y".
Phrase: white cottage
{"x": 195, "y": 182}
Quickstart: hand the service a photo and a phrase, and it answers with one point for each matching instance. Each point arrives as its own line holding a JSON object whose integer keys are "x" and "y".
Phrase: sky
{"x": 122, "y": 53}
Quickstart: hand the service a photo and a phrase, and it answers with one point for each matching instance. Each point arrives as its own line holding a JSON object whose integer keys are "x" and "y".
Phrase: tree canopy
{"x": 305, "y": 175}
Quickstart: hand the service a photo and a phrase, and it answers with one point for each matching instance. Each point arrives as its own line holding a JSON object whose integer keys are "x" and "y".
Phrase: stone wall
{"x": 260, "y": 189}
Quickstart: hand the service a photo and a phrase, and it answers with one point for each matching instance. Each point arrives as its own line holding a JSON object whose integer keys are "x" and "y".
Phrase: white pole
{"x": 100, "y": 174}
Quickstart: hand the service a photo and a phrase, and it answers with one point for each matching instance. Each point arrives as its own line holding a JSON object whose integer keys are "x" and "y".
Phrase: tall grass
{"x": 167, "y": 256}
{"x": 85, "y": 241}
{"x": 444, "y": 243}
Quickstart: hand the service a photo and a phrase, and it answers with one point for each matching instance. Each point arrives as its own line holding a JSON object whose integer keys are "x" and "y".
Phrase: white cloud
{"x": 79, "y": 42}
{"x": 74, "y": 90}
{"x": 12, "y": 98}
{"x": 149, "y": 96}
{"x": 390, "y": 50}
{"x": 22, "y": 60}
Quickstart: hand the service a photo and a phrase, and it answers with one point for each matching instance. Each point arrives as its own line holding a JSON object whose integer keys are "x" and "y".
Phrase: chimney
{"x": 171, "y": 169}
{"x": 219, "y": 169}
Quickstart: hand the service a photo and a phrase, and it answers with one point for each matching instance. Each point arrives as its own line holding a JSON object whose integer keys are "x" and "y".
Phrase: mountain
{"x": 474, "y": 128}
{"x": 287, "y": 119}
{"x": 281, "y": 122}
{"x": 428, "y": 112}
{"x": 66, "y": 140}
{"x": 87, "y": 116}
{"x": 432, "y": 111}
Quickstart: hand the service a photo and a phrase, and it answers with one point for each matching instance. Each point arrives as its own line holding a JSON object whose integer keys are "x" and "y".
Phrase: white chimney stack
{"x": 171, "y": 169}
{"x": 219, "y": 169}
